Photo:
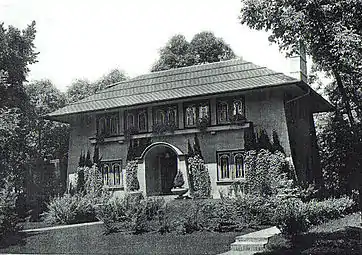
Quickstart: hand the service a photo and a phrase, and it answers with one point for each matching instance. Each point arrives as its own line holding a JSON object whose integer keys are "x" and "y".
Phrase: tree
{"x": 331, "y": 32}
{"x": 82, "y": 88}
{"x": 17, "y": 52}
{"x": 203, "y": 48}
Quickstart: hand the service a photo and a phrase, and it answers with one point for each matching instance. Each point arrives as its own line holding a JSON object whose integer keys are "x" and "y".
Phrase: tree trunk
{"x": 356, "y": 139}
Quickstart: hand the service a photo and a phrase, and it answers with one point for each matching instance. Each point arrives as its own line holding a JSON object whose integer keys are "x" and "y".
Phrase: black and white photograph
{"x": 226, "y": 127}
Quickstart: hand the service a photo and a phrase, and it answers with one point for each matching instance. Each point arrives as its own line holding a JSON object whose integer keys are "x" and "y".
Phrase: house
{"x": 157, "y": 113}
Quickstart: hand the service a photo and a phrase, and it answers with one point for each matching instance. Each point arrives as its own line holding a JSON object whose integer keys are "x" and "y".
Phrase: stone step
{"x": 248, "y": 246}
{"x": 251, "y": 239}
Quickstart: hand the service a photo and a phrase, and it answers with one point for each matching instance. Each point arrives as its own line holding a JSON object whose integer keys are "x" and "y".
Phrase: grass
{"x": 341, "y": 236}
{"x": 89, "y": 240}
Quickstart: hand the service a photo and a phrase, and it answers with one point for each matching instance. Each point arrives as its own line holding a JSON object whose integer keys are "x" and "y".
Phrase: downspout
{"x": 288, "y": 102}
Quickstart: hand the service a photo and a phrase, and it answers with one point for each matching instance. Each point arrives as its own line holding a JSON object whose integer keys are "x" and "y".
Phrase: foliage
{"x": 290, "y": 217}
{"x": 69, "y": 209}
{"x": 88, "y": 161}
{"x": 161, "y": 128}
{"x": 8, "y": 215}
{"x": 80, "y": 180}
{"x": 203, "y": 123}
{"x": 237, "y": 119}
{"x": 129, "y": 132}
{"x": 132, "y": 213}
{"x": 197, "y": 147}
{"x": 93, "y": 181}
{"x": 190, "y": 150}
{"x": 179, "y": 180}
{"x": 200, "y": 178}
{"x": 131, "y": 175}
{"x": 81, "y": 88}
{"x": 268, "y": 173}
{"x": 203, "y": 48}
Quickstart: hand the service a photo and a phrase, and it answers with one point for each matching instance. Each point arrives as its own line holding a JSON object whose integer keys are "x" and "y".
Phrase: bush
{"x": 200, "y": 178}
{"x": 318, "y": 212}
{"x": 130, "y": 213}
{"x": 290, "y": 217}
{"x": 8, "y": 216}
{"x": 93, "y": 181}
{"x": 131, "y": 175}
{"x": 71, "y": 209}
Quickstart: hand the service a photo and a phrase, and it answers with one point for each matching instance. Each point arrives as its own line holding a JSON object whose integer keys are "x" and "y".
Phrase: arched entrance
{"x": 157, "y": 168}
{"x": 161, "y": 169}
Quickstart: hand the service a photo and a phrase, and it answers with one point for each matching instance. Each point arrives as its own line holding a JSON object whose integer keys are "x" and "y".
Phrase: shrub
{"x": 93, "y": 181}
{"x": 71, "y": 209}
{"x": 318, "y": 212}
{"x": 179, "y": 180}
{"x": 200, "y": 178}
{"x": 131, "y": 213}
{"x": 290, "y": 217}
{"x": 203, "y": 123}
{"x": 8, "y": 216}
{"x": 131, "y": 175}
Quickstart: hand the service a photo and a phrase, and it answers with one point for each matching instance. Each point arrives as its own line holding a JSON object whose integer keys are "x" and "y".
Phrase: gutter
{"x": 299, "y": 97}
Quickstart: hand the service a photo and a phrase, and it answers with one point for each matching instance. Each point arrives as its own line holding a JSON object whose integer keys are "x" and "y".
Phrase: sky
{"x": 88, "y": 38}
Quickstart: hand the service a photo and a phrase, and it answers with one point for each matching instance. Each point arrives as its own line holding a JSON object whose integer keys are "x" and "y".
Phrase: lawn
{"x": 341, "y": 236}
{"x": 90, "y": 240}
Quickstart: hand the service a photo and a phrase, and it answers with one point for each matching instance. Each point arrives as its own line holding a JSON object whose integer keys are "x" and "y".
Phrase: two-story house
{"x": 159, "y": 112}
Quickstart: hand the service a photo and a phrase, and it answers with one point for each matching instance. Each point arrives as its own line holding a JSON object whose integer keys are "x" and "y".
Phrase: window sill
{"x": 211, "y": 129}
{"x": 228, "y": 182}
{"x": 113, "y": 187}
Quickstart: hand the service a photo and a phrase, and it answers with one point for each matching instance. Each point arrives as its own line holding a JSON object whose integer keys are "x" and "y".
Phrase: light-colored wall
{"x": 264, "y": 108}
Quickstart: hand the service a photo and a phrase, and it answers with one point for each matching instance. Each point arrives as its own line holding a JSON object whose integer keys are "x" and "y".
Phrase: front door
{"x": 168, "y": 166}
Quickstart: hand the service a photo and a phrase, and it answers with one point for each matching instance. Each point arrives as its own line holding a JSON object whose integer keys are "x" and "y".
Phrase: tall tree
{"x": 203, "y": 48}
{"x": 331, "y": 32}
{"x": 17, "y": 52}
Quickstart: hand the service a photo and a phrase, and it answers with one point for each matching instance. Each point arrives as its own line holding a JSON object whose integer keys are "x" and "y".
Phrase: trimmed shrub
{"x": 200, "y": 178}
{"x": 93, "y": 181}
{"x": 8, "y": 216}
{"x": 131, "y": 175}
{"x": 71, "y": 209}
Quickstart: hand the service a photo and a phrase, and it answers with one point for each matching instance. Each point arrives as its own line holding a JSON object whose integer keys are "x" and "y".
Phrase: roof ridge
{"x": 142, "y": 76}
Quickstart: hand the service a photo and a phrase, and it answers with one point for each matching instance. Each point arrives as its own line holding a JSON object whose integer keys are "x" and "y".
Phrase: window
{"x": 230, "y": 165}
{"x": 223, "y": 112}
{"x": 203, "y": 111}
{"x": 108, "y": 125}
{"x": 171, "y": 115}
{"x": 142, "y": 121}
{"x": 160, "y": 117}
{"x": 190, "y": 116}
{"x": 112, "y": 173}
{"x": 238, "y": 107}
{"x": 130, "y": 120}
{"x": 239, "y": 166}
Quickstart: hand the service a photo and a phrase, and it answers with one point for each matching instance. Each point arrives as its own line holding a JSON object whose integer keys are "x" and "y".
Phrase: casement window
{"x": 142, "y": 121}
{"x": 160, "y": 117}
{"x": 108, "y": 125}
{"x": 172, "y": 115}
{"x": 112, "y": 173}
{"x": 191, "y": 116}
{"x": 238, "y": 108}
{"x": 130, "y": 120}
{"x": 230, "y": 165}
{"x": 196, "y": 112}
{"x": 223, "y": 112}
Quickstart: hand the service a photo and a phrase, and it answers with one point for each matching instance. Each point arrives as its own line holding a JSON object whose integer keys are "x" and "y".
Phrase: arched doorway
{"x": 160, "y": 169}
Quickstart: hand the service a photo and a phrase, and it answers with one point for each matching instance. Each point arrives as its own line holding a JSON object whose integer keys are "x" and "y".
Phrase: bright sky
{"x": 88, "y": 38}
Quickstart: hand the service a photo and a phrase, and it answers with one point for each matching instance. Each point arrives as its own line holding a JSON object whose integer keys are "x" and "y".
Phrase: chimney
{"x": 298, "y": 64}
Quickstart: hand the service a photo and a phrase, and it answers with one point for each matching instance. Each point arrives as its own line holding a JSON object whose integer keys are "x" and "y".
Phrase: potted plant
{"x": 178, "y": 182}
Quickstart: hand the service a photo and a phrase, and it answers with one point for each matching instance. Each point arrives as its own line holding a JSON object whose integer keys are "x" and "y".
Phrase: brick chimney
{"x": 298, "y": 64}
